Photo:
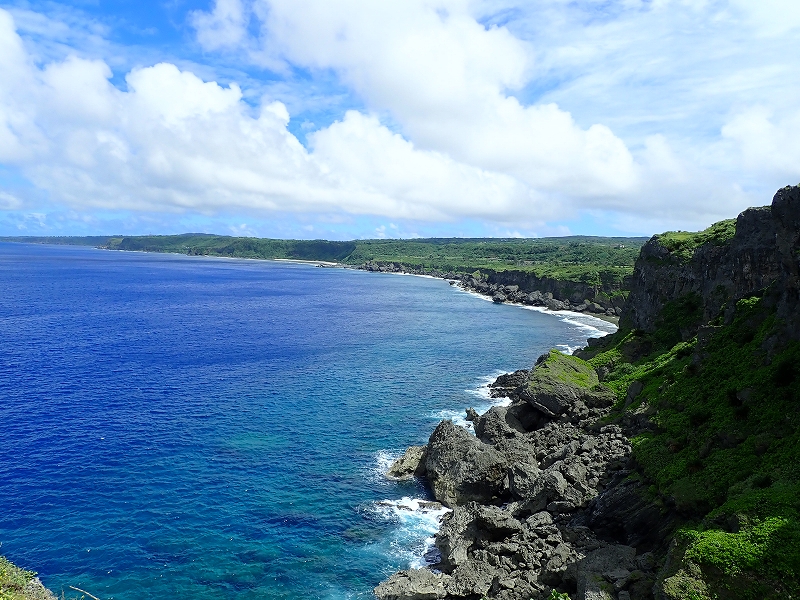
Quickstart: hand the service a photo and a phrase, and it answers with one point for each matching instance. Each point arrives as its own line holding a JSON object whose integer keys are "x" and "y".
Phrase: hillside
{"x": 594, "y": 261}
{"x": 661, "y": 461}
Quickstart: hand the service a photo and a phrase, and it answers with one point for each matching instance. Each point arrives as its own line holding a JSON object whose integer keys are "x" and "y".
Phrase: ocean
{"x": 191, "y": 427}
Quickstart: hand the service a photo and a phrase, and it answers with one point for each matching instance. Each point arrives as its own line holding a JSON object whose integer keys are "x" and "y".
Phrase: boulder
{"x": 472, "y": 579}
{"x": 558, "y": 381}
{"x": 461, "y": 468}
{"x": 591, "y": 570}
{"x": 554, "y": 304}
{"x": 497, "y": 423}
{"x": 499, "y": 297}
{"x": 634, "y": 389}
{"x": 411, "y": 464}
{"x": 413, "y": 584}
{"x": 457, "y": 533}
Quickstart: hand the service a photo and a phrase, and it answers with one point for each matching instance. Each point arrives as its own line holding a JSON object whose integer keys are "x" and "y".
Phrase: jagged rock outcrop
{"x": 565, "y": 507}
{"x": 523, "y": 287}
{"x": 562, "y": 384}
{"x": 414, "y": 584}
{"x": 461, "y": 468}
{"x": 522, "y": 490}
{"x": 411, "y": 464}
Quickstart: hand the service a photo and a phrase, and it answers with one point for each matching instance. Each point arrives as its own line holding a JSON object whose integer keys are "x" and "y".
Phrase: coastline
{"x": 535, "y": 541}
{"x": 492, "y": 395}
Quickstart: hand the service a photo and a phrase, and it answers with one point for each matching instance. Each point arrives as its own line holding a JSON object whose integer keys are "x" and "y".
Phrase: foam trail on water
{"x": 384, "y": 460}
{"x": 483, "y": 401}
{"x": 418, "y": 521}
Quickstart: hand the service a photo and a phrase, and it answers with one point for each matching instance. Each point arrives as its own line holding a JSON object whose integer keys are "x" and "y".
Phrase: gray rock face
{"x": 411, "y": 464}
{"x": 462, "y": 469}
{"x": 497, "y": 424}
{"x": 414, "y": 584}
{"x": 597, "y": 570}
{"x": 763, "y": 251}
{"x": 474, "y": 578}
{"x": 522, "y": 493}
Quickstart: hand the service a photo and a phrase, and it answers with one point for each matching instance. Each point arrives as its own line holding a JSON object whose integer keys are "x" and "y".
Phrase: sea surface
{"x": 198, "y": 428}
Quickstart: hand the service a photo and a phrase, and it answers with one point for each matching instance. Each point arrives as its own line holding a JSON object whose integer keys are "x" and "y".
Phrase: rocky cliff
{"x": 662, "y": 461}
{"x": 758, "y": 256}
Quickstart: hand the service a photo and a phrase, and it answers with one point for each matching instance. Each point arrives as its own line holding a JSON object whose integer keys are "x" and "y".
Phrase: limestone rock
{"x": 413, "y": 584}
{"x": 411, "y": 464}
{"x": 471, "y": 579}
{"x": 461, "y": 468}
{"x": 558, "y": 381}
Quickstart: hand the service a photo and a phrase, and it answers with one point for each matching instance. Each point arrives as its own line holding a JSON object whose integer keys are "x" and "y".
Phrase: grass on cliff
{"x": 682, "y": 244}
{"x": 563, "y": 368}
{"x": 13, "y": 580}
{"x": 725, "y": 450}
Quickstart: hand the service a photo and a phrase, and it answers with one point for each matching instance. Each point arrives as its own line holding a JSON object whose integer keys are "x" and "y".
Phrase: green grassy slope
{"x": 724, "y": 449}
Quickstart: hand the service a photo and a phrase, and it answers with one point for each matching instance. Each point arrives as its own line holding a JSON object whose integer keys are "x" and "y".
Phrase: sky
{"x": 345, "y": 119}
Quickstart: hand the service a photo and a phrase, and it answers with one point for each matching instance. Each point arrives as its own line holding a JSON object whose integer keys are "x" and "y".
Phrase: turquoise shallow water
{"x": 208, "y": 428}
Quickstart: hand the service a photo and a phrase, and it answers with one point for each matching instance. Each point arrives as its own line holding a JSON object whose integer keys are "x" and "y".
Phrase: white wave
{"x": 459, "y": 417}
{"x": 418, "y": 521}
{"x": 472, "y": 293}
{"x": 588, "y": 324}
{"x": 384, "y": 460}
{"x": 483, "y": 401}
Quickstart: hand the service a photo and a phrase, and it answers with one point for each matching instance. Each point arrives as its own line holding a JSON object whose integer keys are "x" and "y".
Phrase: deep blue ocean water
{"x": 188, "y": 427}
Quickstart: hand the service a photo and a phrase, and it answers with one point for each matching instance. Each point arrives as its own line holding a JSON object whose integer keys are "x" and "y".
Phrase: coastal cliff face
{"x": 662, "y": 461}
{"x": 606, "y": 296}
{"x": 759, "y": 256}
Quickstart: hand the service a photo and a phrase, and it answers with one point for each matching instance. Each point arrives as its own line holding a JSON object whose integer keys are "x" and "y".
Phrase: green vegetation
{"x": 682, "y": 244}
{"x": 595, "y": 261}
{"x": 14, "y": 583}
{"x": 563, "y": 368}
{"x": 725, "y": 448}
{"x": 13, "y": 580}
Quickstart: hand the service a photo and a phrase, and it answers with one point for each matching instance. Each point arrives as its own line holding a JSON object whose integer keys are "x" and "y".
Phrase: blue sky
{"x": 361, "y": 119}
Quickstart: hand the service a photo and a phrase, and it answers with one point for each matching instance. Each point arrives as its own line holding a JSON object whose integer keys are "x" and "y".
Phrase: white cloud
{"x": 173, "y": 142}
{"x": 224, "y": 27}
{"x": 9, "y": 201}
{"x": 491, "y": 110}
{"x": 629, "y": 97}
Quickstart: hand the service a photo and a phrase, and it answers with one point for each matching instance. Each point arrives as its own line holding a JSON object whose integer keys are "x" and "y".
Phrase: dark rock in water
{"x": 472, "y": 414}
{"x": 508, "y": 384}
{"x": 414, "y": 584}
{"x": 461, "y": 468}
{"x": 499, "y": 297}
{"x": 411, "y": 464}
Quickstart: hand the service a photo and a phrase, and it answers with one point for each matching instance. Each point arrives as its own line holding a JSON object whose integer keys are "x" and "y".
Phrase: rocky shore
{"x": 553, "y": 295}
{"x": 550, "y": 499}
{"x": 529, "y": 491}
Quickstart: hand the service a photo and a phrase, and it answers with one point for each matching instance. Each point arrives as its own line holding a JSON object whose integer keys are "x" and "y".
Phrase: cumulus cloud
{"x": 628, "y": 99}
{"x": 492, "y": 110}
{"x": 173, "y": 142}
